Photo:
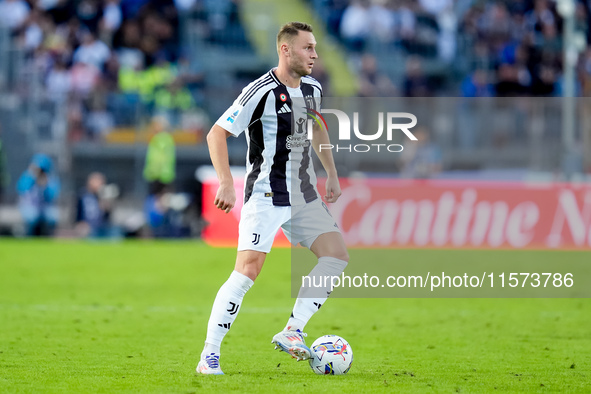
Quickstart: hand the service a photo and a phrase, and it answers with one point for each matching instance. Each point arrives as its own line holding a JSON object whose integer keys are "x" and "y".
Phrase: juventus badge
{"x": 256, "y": 239}
{"x": 233, "y": 309}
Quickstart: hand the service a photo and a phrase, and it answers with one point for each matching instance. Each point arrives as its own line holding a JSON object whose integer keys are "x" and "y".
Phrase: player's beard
{"x": 301, "y": 68}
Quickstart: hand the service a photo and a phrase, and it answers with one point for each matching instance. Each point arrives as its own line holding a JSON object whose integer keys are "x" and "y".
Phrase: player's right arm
{"x": 233, "y": 122}
{"x": 218, "y": 151}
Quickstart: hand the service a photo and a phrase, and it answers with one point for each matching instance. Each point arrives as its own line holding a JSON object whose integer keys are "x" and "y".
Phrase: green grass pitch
{"x": 131, "y": 317}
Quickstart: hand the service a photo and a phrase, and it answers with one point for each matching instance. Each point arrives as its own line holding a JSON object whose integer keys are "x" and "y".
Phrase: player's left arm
{"x": 333, "y": 188}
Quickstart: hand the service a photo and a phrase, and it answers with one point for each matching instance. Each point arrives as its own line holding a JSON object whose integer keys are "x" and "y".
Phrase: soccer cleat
{"x": 292, "y": 342}
{"x": 210, "y": 365}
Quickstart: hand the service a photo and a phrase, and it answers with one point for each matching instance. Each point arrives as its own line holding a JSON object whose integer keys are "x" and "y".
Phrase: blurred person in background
{"x": 92, "y": 51}
{"x": 477, "y": 85}
{"x": 356, "y": 25}
{"x": 161, "y": 155}
{"x": 111, "y": 19}
{"x": 14, "y": 14}
{"x": 373, "y": 82}
{"x": 415, "y": 83}
{"x": 164, "y": 212}
{"x": 94, "y": 207}
{"x": 422, "y": 160}
{"x": 38, "y": 189}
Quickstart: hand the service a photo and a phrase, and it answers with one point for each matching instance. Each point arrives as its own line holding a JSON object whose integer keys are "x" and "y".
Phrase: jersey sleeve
{"x": 239, "y": 116}
{"x": 236, "y": 118}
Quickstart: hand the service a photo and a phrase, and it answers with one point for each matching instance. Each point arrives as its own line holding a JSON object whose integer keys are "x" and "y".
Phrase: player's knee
{"x": 249, "y": 270}
{"x": 335, "y": 253}
{"x": 342, "y": 255}
{"x": 252, "y": 274}
{"x": 339, "y": 253}
{"x": 250, "y": 267}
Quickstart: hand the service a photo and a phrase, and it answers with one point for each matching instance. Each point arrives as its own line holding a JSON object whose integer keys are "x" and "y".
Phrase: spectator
{"x": 93, "y": 212}
{"x": 541, "y": 15}
{"x": 334, "y": 15}
{"x": 92, "y": 51}
{"x": 481, "y": 57}
{"x": 173, "y": 99}
{"x": 112, "y": 18}
{"x": 127, "y": 41}
{"x": 415, "y": 83}
{"x": 38, "y": 189}
{"x": 72, "y": 33}
{"x": 383, "y": 21}
{"x": 435, "y": 7}
{"x": 184, "y": 6}
{"x": 164, "y": 212}
{"x": 374, "y": 83}
{"x": 14, "y": 13}
{"x": 356, "y": 25}
{"x": 161, "y": 156}
{"x": 446, "y": 41}
{"x": 131, "y": 8}
{"x": 495, "y": 24}
{"x": 99, "y": 121}
{"x": 110, "y": 77}
{"x": 407, "y": 21}
{"x": 84, "y": 79}
{"x": 33, "y": 35}
{"x": 59, "y": 82}
{"x": 477, "y": 85}
{"x": 89, "y": 13}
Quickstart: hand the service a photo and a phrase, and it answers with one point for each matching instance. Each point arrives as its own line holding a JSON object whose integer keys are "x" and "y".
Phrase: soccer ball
{"x": 331, "y": 355}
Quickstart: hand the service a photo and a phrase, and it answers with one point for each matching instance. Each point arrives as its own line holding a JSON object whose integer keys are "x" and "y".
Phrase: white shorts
{"x": 301, "y": 224}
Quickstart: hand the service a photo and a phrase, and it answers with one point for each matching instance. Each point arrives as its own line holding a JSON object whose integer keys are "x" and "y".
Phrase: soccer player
{"x": 280, "y": 189}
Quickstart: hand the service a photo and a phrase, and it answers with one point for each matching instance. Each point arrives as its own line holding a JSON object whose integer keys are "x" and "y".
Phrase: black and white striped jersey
{"x": 274, "y": 116}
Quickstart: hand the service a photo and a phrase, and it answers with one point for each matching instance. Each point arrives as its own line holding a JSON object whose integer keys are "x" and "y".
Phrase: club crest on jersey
{"x": 311, "y": 102}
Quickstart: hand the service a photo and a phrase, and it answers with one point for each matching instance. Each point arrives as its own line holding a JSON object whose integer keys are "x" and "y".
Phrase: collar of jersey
{"x": 279, "y": 82}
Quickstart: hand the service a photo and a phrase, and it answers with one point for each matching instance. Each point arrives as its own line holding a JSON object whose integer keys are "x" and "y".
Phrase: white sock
{"x": 310, "y": 299}
{"x": 224, "y": 311}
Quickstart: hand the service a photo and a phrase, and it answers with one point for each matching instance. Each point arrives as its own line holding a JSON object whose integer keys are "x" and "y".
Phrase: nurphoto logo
{"x": 393, "y": 124}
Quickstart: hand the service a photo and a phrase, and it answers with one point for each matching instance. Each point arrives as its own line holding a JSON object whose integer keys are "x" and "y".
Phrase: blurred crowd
{"x": 504, "y": 48}
{"x": 99, "y": 61}
{"x": 100, "y": 58}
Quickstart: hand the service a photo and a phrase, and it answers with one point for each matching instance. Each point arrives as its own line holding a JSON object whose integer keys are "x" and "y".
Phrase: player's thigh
{"x": 258, "y": 226}
{"x": 313, "y": 227}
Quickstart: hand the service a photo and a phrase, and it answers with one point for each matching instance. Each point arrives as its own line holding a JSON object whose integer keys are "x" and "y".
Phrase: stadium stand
{"x": 82, "y": 80}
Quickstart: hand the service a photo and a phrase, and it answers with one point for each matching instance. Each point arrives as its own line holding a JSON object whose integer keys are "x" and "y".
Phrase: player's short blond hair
{"x": 291, "y": 30}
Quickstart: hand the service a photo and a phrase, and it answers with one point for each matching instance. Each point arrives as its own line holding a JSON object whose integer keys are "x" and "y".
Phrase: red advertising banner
{"x": 378, "y": 213}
